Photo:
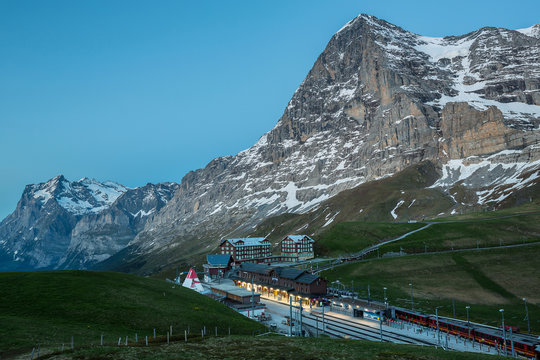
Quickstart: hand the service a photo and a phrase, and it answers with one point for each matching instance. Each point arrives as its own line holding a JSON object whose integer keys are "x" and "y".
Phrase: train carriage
{"x": 524, "y": 344}
{"x": 414, "y": 317}
{"x": 452, "y": 327}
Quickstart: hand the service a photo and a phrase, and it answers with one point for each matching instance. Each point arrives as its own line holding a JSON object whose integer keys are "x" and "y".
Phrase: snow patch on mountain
{"x": 499, "y": 174}
{"x": 439, "y": 48}
{"x": 532, "y": 31}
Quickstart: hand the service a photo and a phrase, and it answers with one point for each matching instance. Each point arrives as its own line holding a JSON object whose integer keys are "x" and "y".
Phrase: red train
{"x": 525, "y": 345}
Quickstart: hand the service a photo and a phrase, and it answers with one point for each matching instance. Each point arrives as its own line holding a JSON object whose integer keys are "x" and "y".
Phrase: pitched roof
{"x": 307, "y": 278}
{"x": 218, "y": 259}
{"x": 289, "y": 273}
{"x": 256, "y": 268}
{"x": 297, "y": 238}
{"x": 246, "y": 241}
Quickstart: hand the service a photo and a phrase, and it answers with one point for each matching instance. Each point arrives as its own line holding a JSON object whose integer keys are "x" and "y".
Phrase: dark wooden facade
{"x": 289, "y": 280}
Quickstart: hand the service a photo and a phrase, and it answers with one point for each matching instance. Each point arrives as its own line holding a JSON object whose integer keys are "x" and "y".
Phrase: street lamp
{"x": 468, "y": 323}
{"x": 527, "y": 316}
{"x": 504, "y": 330}
{"x": 385, "y": 298}
{"x": 412, "y": 301}
{"x": 437, "y": 320}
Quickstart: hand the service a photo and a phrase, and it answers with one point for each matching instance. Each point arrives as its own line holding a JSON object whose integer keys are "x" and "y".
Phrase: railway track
{"x": 336, "y": 326}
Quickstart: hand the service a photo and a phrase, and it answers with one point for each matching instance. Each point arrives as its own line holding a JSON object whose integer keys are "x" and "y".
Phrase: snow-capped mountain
{"x": 64, "y": 224}
{"x": 377, "y": 100}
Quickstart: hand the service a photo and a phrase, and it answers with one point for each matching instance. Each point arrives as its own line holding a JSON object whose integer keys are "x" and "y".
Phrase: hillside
{"x": 486, "y": 280}
{"x": 48, "y": 308}
{"x": 271, "y": 348}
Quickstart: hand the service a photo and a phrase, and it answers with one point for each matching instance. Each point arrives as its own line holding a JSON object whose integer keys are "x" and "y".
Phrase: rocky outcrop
{"x": 466, "y": 131}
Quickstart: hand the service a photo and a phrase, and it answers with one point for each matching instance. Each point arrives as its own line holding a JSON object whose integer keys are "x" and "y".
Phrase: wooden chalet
{"x": 217, "y": 265}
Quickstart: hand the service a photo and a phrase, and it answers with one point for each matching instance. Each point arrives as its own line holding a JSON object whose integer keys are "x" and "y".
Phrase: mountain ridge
{"x": 61, "y": 224}
{"x": 377, "y": 101}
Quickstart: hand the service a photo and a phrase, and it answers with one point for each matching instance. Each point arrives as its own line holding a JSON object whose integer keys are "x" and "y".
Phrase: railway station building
{"x": 282, "y": 282}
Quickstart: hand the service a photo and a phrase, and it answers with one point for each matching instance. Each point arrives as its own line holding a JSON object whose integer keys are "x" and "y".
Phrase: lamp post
{"x": 385, "y": 298}
{"x": 527, "y": 316}
{"x": 437, "y": 320}
{"x": 504, "y": 330}
{"x": 412, "y": 301}
{"x": 468, "y": 323}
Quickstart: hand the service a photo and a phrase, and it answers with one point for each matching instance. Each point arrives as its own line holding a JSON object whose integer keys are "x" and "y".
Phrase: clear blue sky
{"x": 144, "y": 91}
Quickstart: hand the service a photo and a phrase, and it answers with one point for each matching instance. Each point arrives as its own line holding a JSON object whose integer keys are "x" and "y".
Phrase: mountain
{"x": 378, "y": 100}
{"x": 62, "y": 224}
{"x": 388, "y": 125}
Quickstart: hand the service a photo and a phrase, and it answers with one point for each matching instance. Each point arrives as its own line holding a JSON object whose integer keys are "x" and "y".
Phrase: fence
{"x": 156, "y": 337}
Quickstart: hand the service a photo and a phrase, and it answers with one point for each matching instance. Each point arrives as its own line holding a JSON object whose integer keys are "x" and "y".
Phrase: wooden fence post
{"x": 185, "y": 335}
{"x": 146, "y": 337}
{"x": 216, "y": 330}
{"x": 167, "y": 337}
{"x": 170, "y": 329}
{"x": 154, "y": 333}
{"x": 126, "y": 340}
{"x": 136, "y": 338}
{"x": 119, "y": 340}
{"x": 101, "y": 340}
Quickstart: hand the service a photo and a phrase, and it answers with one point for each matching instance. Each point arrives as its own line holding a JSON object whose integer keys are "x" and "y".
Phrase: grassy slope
{"x": 486, "y": 280}
{"x": 273, "y": 348}
{"x": 50, "y": 307}
{"x": 470, "y": 234}
{"x": 371, "y": 202}
{"x": 350, "y": 237}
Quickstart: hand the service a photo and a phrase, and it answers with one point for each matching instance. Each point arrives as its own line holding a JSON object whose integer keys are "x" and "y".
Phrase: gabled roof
{"x": 289, "y": 273}
{"x": 218, "y": 259}
{"x": 307, "y": 278}
{"x": 246, "y": 241}
{"x": 298, "y": 238}
{"x": 256, "y": 268}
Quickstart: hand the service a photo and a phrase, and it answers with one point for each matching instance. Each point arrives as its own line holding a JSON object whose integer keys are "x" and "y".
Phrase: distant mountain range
{"x": 378, "y": 102}
{"x": 62, "y": 224}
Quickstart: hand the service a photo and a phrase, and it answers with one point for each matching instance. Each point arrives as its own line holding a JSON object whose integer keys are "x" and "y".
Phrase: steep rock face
{"x": 377, "y": 100}
{"x": 467, "y": 132}
{"x": 64, "y": 224}
{"x": 97, "y": 237}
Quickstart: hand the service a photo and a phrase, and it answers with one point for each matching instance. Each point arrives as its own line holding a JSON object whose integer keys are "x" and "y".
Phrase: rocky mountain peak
{"x": 377, "y": 100}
